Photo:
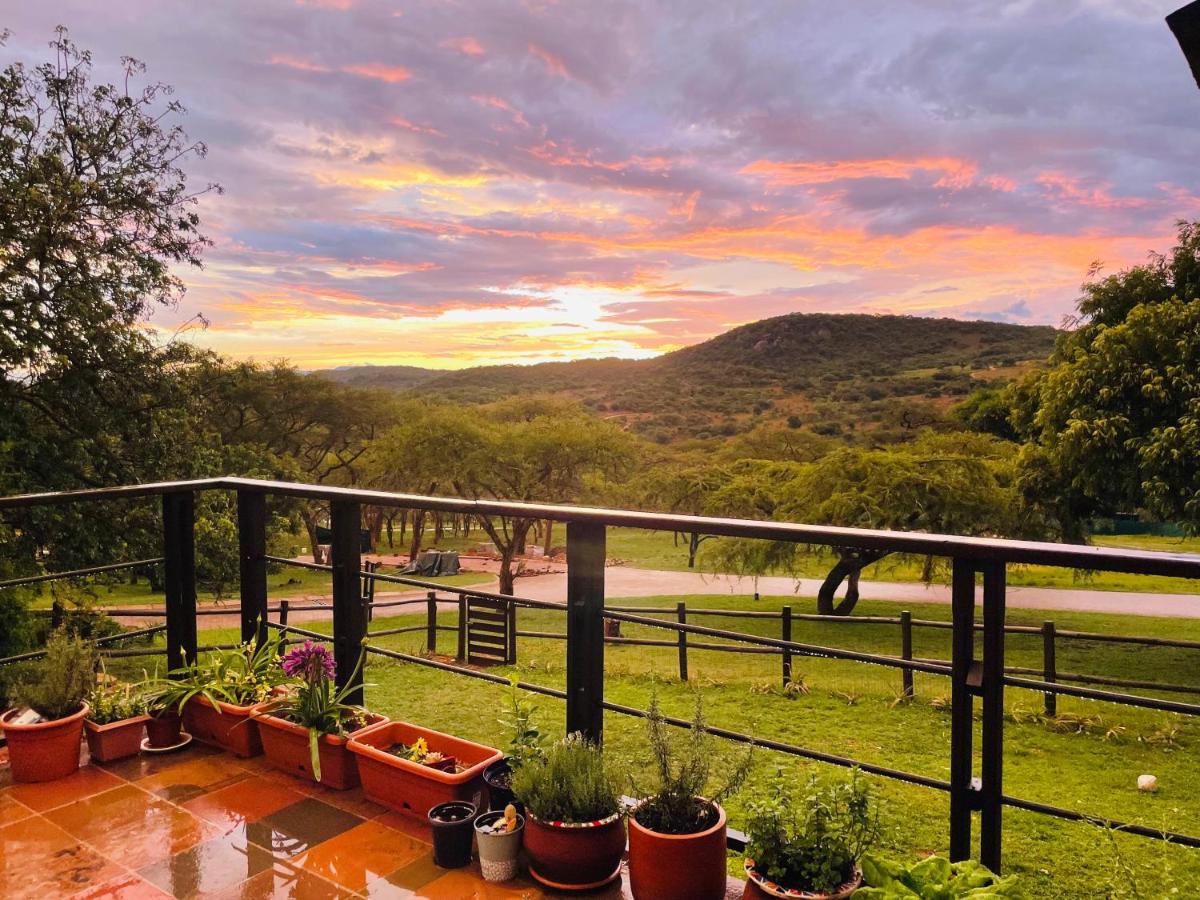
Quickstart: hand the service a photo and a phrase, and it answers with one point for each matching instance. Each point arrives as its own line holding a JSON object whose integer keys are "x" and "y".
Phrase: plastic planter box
{"x": 286, "y": 747}
{"x": 409, "y": 787}
{"x": 116, "y": 740}
{"x": 226, "y": 726}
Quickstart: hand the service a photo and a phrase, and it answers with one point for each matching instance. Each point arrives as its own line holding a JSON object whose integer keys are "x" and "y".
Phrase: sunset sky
{"x": 448, "y": 184}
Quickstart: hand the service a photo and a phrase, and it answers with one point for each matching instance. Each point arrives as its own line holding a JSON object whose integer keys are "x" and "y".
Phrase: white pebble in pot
{"x": 1147, "y": 783}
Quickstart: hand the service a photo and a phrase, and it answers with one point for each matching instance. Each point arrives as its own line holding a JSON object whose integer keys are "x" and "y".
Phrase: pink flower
{"x": 309, "y": 661}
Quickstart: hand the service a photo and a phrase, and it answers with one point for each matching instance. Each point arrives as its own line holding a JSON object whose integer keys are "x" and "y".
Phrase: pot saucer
{"x": 185, "y": 740}
{"x": 574, "y": 888}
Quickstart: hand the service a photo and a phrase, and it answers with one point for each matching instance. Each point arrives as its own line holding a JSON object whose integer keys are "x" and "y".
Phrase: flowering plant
{"x": 313, "y": 702}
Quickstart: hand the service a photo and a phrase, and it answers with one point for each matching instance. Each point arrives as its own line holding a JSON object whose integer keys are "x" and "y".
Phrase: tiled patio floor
{"x": 204, "y": 824}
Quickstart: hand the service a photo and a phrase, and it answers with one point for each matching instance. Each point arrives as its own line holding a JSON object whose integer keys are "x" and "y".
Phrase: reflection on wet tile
{"x": 246, "y": 801}
{"x": 361, "y": 855}
{"x": 416, "y": 874}
{"x": 193, "y": 777}
{"x": 38, "y": 859}
{"x": 11, "y": 810}
{"x": 123, "y": 887}
{"x": 408, "y": 824}
{"x": 135, "y": 767}
{"x": 467, "y": 884}
{"x": 300, "y": 826}
{"x": 132, "y": 827}
{"x": 352, "y": 800}
{"x": 87, "y": 781}
{"x": 211, "y": 866}
{"x": 282, "y": 882}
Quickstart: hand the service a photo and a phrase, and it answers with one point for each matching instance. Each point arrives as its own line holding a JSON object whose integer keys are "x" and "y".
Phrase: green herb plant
{"x": 109, "y": 702}
{"x": 811, "y": 839}
{"x": 57, "y": 684}
{"x": 688, "y": 792}
{"x": 569, "y": 783}
{"x": 242, "y": 676}
{"x": 526, "y": 741}
{"x": 933, "y": 878}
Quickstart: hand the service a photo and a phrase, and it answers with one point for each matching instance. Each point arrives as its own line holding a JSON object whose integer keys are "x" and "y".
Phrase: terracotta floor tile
{"x": 132, "y": 827}
{"x": 299, "y": 827}
{"x": 12, "y": 810}
{"x": 88, "y": 781}
{"x": 124, "y": 887}
{"x": 133, "y": 768}
{"x": 352, "y": 800}
{"x": 194, "y": 777}
{"x": 38, "y": 860}
{"x": 468, "y": 884}
{"x": 246, "y": 801}
{"x": 357, "y": 857}
{"x": 407, "y": 824}
{"x": 211, "y": 866}
{"x": 282, "y": 882}
{"x": 416, "y": 874}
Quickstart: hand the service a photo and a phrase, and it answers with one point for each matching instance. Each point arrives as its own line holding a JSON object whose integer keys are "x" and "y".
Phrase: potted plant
{"x": 216, "y": 698}
{"x": 933, "y": 877}
{"x": 498, "y": 834}
{"x": 809, "y": 843}
{"x": 45, "y": 726}
{"x": 114, "y": 723}
{"x": 164, "y": 725}
{"x": 574, "y": 834}
{"x": 304, "y": 730}
{"x": 677, "y": 843}
{"x": 451, "y": 824}
{"x": 525, "y": 744}
{"x": 411, "y": 769}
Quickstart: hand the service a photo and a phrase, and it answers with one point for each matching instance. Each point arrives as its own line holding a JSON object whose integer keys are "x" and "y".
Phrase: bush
{"x": 59, "y": 682}
{"x": 570, "y": 784}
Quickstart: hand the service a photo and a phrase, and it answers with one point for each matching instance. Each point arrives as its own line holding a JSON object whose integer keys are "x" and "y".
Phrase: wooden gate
{"x": 490, "y": 632}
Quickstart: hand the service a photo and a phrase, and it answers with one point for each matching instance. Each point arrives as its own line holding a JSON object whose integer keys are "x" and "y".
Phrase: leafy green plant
{"x": 111, "y": 702}
{"x": 526, "y": 741}
{"x": 684, "y": 801}
{"x": 934, "y": 878}
{"x": 313, "y": 702}
{"x": 570, "y": 783}
{"x": 60, "y": 681}
{"x": 242, "y": 676}
{"x": 811, "y": 840}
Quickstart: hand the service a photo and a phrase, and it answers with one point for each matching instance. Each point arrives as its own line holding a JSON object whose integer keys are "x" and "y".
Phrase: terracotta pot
{"x": 225, "y": 725}
{"x": 116, "y": 740}
{"x": 677, "y": 866}
{"x": 452, "y": 825}
{"x": 163, "y": 729}
{"x": 45, "y": 751}
{"x": 410, "y": 787}
{"x": 759, "y": 887}
{"x": 569, "y": 856}
{"x": 498, "y": 851}
{"x": 286, "y": 747}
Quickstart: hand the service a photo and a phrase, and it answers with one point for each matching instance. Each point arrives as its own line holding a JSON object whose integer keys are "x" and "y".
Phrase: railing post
{"x": 962, "y": 705}
{"x": 681, "y": 612}
{"x": 283, "y": 620}
{"x": 179, "y": 557}
{"x": 992, "y": 691}
{"x": 252, "y": 562}
{"x": 510, "y": 625}
{"x": 585, "y": 629}
{"x": 349, "y": 610}
{"x": 431, "y": 622}
{"x": 462, "y": 628}
{"x": 56, "y": 615}
{"x": 1049, "y": 667}
{"x": 906, "y": 651}
{"x": 785, "y": 634}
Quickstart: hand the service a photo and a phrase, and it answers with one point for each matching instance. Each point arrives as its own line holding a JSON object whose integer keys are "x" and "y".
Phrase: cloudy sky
{"x": 453, "y": 183}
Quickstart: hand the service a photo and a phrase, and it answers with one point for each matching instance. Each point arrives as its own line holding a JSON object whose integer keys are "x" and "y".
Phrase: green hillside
{"x": 833, "y": 374}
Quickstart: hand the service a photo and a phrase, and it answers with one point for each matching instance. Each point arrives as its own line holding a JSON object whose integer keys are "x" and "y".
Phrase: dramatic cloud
{"x": 452, "y": 183}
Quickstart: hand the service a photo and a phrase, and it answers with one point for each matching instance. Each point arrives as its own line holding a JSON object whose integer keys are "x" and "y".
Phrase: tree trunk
{"x": 418, "y": 532}
{"x": 848, "y": 568}
{"x": 439, "y": 528}
{"x": 506, "y": 571}
{"x": 310, "y": 525}
{"x": 390, "y": 531}
{"x": 547, "y": 546}
{"x": 693, "y": 546}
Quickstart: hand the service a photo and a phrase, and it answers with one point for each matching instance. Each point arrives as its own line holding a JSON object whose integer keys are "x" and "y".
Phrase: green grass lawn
{"x": 1089, "y": 760}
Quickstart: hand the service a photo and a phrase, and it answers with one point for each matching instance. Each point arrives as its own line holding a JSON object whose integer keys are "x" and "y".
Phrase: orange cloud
{"x": 380, "y": 72}
{"x": 465, "y": 45}
{"x": 1073, "y": 190}
{"x": 552, "y": 62}
{"x": 955, "y": 172}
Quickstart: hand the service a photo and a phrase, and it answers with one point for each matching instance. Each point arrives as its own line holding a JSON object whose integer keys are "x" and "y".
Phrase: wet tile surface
{"x": 201, "y": 824}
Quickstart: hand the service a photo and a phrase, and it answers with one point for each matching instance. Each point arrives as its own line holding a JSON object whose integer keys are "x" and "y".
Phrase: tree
{"x": 1114, "y": 424}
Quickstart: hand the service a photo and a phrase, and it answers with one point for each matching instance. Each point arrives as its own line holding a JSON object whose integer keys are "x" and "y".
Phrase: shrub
{"x": 683, "y": 803}
{"x": 569, "y": 784}
{"x": 811, "y": 840}
{"x": 59, "y": 682}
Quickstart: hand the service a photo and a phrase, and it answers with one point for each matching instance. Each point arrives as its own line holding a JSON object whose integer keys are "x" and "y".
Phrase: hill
{"x": 833, "y": 374}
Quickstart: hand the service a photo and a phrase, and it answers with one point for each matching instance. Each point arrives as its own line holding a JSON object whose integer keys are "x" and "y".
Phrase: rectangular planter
{"x": 409, "y": 787}
{"x": 116, "y": 740}
{"x": 286, "y": 747}
{"x": 226, "y": 726}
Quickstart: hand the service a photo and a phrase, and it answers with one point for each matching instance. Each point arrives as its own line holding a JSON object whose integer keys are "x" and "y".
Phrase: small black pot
{"x": 453, "y": 828}
{"x": 496, "y": 777}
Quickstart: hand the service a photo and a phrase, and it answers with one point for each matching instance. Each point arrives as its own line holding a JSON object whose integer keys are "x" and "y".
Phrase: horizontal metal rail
{"x": 1071, "y": 815}
{"x": 97, "y": 642}
{"x": 79, "y": 573}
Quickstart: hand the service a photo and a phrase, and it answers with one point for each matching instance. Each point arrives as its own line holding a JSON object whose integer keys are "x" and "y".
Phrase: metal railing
{"x": 971, "y": 675}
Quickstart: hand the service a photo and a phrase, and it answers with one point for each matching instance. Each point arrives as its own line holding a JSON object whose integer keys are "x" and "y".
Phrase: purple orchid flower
{"x": 309, "y": 661}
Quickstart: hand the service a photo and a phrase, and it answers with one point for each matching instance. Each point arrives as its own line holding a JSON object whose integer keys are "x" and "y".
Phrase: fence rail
{"x": 972, "y": 674}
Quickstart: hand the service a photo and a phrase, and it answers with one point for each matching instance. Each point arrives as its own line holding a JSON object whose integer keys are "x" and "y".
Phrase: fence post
{"x": 179, "y": 552}
{"x": 462, "y": 628}
{"x": 283, "y": 619}
{"x": 349, "y": 610}
{"x": 962, "y": 705}
{"x": 56, "y": 615}
{"x": 431, "y": 622}
{"x": 681, "y": 612}
{"x": 510, "y": 625}
{"x": 252, "y": 563}
{"x": 906, "y": 650}
{"x": 992, "y": 740}
{"x": 585, "y": 629}
{"x": 1049, "y": 667}
{"x": 785, "y": 634}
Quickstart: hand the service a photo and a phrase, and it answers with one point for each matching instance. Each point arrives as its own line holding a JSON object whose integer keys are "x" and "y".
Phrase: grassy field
{"x": 1088, "y": 759}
